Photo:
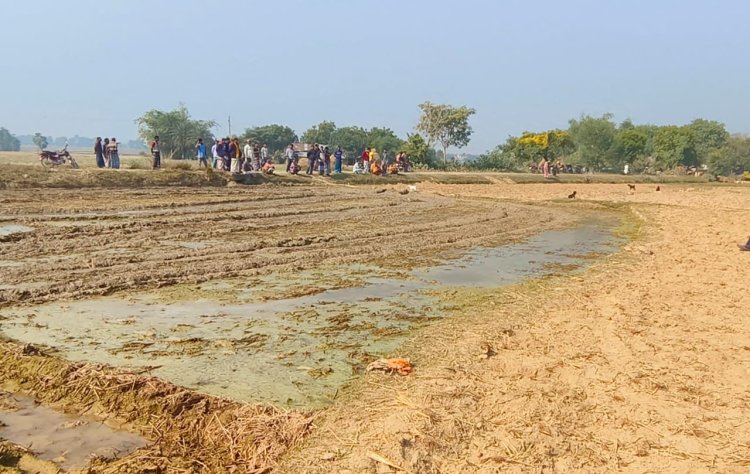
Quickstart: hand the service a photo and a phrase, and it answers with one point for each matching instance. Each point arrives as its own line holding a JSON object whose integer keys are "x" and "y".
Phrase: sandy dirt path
{"x": 642, "y": 364}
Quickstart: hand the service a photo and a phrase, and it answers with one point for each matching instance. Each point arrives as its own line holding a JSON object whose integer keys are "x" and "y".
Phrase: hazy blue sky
{"x": 90, "y": 67}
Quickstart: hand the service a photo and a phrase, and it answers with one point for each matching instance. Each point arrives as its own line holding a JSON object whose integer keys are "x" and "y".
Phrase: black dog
{"x": 572, "y": 196}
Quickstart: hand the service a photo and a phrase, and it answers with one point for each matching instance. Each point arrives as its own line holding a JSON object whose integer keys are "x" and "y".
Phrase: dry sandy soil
{"x": 640, "y": 364}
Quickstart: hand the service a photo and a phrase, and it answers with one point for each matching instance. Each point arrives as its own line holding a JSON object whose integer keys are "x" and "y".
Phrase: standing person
{"x": 327, "y": 161}
{"x": 339, "y": 157}
{"x": 227, "y": 154}
{"x": 544, "y": 166}
{"x": 215, "y": 153}
{"x": 322, "y": 161}
{"x": 374, "y": 159}
{"x": 248, "y": 152}
{"x": 311, "y": 160}
{"x": 99, "y": 152}
{"x": 234, "y": 156}
{"x": 384, "y": 162}
{"x": 155, "y": 152}
{"x": 264, "y": 154}
{"x": 289, "y": 155}
{"x": 105, "y": 148}
{"x": 257, "y": 162}
{"x": 223, "y": 151}
{"x": 114, "y": 154}
{"x": 366, "y": 160}
{"x": 200, "y": 153}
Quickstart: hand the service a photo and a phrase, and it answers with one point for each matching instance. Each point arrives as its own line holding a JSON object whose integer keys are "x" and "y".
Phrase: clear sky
{"x": 90, "y": 67}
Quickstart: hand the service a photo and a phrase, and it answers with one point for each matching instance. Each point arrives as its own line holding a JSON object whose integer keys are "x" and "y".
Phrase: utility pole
{"x": 229, "y": 120}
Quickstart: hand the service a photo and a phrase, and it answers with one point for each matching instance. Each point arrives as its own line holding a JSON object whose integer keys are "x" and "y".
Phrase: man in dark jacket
{"x": 99, "y": 152}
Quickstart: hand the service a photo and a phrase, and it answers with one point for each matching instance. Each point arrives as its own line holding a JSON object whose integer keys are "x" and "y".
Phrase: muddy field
{"x": 166, "y": 310}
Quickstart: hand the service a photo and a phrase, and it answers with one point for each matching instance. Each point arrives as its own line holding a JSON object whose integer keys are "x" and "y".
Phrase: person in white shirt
{"x": 264, "y": 154}
{"x": 214, "y": 154}
{"x": 289, "y": 154}
{"x": 248, "y": 153}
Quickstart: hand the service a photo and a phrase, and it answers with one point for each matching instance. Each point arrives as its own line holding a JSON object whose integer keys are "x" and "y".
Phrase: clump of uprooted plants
{"x": 188, "y": 431}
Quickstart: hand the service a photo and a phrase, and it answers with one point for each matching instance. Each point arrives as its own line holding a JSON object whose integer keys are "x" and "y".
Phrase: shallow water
{"x": 292, "y": 351}
{"x": 66, "y": 440}
{"x": 10, "y": 229}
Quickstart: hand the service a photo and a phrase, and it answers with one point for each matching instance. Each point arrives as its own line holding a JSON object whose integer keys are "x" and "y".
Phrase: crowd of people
{"x": 227, "y": 154}
{"x": 107, "y": 153}
{"x": 554, "y": 167}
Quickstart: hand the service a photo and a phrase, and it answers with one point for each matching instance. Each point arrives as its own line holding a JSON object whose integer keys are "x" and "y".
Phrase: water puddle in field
{"x": 66, "y": 440}
{"x": 8, "y": 230}
{"x": 292, "y": 340}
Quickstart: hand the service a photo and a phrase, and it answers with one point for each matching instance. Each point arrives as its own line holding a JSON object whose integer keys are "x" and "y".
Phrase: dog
{"x": 658, "y": 188}
{"x": 572, "y": 195}
{"x": 631, "y": 187}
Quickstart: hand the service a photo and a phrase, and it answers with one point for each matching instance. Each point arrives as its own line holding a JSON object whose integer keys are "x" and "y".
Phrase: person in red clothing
{"x": 366, "y": 159}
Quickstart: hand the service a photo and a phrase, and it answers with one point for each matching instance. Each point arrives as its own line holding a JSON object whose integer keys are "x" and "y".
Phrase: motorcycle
{"x": 55, "y": 158}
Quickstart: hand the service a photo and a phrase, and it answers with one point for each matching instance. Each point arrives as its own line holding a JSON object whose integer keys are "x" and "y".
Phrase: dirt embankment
{"x": 640, "y": 365}
{"x": 188, "y": 432}
{"x": 95, "y": 242}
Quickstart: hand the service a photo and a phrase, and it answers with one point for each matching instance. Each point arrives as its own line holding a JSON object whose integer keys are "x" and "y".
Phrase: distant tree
{"x": 352, "y": 141}
{"x": 502, "y": 158}
{"x": 632, "y": 143}
{"x": 673, "y": 146}
{"x": 321, "y": 133}
{"x": 177, "y": 131}
{"x": 593, "y": 138}
{"x": 731, "y": 159}
{"x": 277, "y": 137}
{"x": 8, "y": 142}
{"x": 707, "y": 136}
{"x": 383, "y": 139}
{"x": 417, "y": 149}
{"x": 446, "y": 125}
{"x": 40, "y": 141}
{"x": 136, "y": 145}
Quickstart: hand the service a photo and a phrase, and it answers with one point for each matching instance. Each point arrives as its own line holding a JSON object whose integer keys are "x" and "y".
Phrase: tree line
{"x": 600, "y": 144}
{"x": 440, "y": 124}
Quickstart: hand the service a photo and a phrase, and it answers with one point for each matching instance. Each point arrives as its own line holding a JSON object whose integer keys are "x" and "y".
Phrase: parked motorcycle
{"x": 56, "y": 158}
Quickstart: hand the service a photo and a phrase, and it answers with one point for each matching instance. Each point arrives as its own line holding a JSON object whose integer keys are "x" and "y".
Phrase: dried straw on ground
{"x": 189, "y": 432}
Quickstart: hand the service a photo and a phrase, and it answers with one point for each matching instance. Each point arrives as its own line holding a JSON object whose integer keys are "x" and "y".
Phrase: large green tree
{"x": 445, "y": 124}
{"x": 632, "y": 144}
{"x": 40, "y": 141}
{"x": 593, "y": 138}
{"x": 277, "y": 137}
{"x": 418, "y": 150}
{"x": 673, "y": 146}
{"x": 321, "y": 133}
{"x": 8, "y": 142}
{"x": 706, "y": 136}
{"x": 502, "y": 158}
{"x": 352, "y": 141}
{"x": 177, "y": 131}
{"x": 732, "y": 158}
{"x": 383, "y": 139}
